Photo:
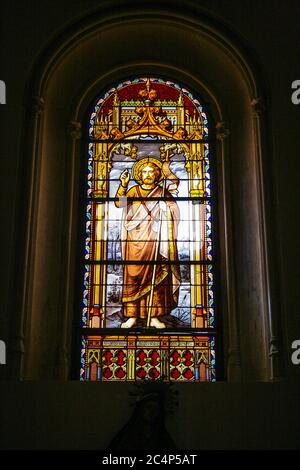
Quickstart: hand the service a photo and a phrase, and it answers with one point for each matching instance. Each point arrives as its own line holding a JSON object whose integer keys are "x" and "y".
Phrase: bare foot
{"x": 129, "y": 323}
{"x": 157, "y": 323}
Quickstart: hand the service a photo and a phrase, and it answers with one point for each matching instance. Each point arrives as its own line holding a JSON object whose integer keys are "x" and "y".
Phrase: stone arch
{"x": 77, "y": 65}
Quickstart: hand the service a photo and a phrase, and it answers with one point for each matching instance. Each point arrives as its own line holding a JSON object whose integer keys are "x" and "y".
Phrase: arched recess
{"x": 88, "y": 58}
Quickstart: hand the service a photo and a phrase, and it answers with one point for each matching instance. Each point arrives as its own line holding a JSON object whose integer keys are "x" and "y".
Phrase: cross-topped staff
{"x": 166, "y": 154}
{"x": 150, "y": 304}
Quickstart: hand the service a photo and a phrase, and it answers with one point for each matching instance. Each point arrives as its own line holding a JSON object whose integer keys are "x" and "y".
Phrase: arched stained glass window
{"x": 148, "y": 299}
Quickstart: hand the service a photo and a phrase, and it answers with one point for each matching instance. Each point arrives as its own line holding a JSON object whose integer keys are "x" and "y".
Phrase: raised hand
{"x": 124, "y": 178}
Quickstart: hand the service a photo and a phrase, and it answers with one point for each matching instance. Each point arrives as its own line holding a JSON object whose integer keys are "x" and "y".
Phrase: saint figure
{"x": 149, "y": 233}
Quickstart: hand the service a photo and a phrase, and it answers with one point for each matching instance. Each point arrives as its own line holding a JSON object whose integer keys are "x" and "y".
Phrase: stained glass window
{"x": 148, "y": 292}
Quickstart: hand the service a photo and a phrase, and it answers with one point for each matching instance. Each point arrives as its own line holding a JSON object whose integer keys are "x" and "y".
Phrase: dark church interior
{"x": 242, "y": 59}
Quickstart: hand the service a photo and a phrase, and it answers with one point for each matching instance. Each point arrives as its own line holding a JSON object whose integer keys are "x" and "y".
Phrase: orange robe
{"x": 139, "y": 238}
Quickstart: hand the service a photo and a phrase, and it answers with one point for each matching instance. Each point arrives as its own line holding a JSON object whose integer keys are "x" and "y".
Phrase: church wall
{"x": 249, "y": 415}
{"x": 221, "y": 416}
{"x": 46, "y": 280}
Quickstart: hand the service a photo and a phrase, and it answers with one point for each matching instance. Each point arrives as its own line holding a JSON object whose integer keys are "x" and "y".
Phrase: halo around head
{"x": 143, "y": 162}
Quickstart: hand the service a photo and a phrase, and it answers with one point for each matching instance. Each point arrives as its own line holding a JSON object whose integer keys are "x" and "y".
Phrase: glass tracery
{"x": 148, "y": 290}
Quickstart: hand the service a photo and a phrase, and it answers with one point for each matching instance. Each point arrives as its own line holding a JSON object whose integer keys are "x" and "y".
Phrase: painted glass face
{"x": 148, "y": 287}
{"x": 149, "y": 176}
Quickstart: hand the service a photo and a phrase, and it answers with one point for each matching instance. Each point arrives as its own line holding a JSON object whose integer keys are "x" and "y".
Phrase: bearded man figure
{"x": 149, "y": 234}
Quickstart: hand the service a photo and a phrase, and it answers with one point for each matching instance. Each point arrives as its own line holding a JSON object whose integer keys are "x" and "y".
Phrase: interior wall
{"x": 87, "y": 60}
{"x": 245, "y": 415}
{"x": 218, "y": 416}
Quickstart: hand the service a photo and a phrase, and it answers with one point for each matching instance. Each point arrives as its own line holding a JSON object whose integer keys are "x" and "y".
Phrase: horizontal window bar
{"x": 204, "y": 159}
{"x": 150, "y": 141}
{"x": 129, "y": 199}
{"x": 151, "y": 262}
{"x": 145, "y": 331}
